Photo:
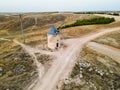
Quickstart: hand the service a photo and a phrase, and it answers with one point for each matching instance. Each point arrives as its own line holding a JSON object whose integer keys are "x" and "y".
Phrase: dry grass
{"x": 90, "y": 72}
{"x": 18, "y": 67}
{"x": 112, "y": 39}
{"x": 13, "y": 57}
{"x": 79, "y": 31}
{"x": 45, "y": 60}
{"x": 35, "y": 35}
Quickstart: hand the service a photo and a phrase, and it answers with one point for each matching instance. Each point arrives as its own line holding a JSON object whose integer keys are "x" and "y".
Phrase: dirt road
{"x": 62, "y": 66}
{"x": 30, "y": 51}
{"x": 4, "y": 39}
{"x": 106, "y": 50}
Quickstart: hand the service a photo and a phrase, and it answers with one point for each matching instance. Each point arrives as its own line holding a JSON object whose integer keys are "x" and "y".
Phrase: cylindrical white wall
{"x": 53, "y": 40}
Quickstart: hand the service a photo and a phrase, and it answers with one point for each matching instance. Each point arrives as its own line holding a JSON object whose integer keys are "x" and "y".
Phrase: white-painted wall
{"x": 53, "y": 40}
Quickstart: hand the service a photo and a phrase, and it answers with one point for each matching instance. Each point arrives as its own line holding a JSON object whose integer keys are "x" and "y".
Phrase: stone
{"x": 1, "y": 71}
{"x": 67, "y": 87}
{"x": 1, "y": 74}
{"x": 90, "y": 69}
{"x": 81, "y": 76}
{"x": 75, "y": 88}
{"x": 19, "y": 69}
{"x": 111, "y": 71}
{"x": 86, "y": 87}
{"x": 67, "y": 81}
{"x": 81, "y": 68}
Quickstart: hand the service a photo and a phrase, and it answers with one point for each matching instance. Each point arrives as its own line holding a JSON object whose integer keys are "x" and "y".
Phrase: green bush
{"x": 114, "y": 14}
{"x": 101, "y": 20}
{"x": 89, "y": 12}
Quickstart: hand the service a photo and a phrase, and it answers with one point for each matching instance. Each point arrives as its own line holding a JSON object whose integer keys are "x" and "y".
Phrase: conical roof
{"x": 53, "y": 31}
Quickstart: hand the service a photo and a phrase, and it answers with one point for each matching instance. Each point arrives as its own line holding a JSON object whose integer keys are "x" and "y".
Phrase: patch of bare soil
{"x": 45, "y": 60}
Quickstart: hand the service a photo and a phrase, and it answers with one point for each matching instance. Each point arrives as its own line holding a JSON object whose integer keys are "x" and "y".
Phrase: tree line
{"x": 100, "y": 20}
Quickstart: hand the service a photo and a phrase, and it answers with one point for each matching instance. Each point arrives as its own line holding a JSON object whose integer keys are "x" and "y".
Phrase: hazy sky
{"x": 58, "y": 5}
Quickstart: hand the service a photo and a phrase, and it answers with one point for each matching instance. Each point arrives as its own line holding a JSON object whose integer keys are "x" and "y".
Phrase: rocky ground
{"x": 94, "y": 70}
{"x": 16, "y": 69}
{"x": 45, "y": 60}
{"x": 90, "y": 74}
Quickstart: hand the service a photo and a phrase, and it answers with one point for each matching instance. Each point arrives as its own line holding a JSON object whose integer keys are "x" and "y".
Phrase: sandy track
{"x": 30, "y": 51}
{"x": 62, "y": 66}
{"x": 4, "y": 39}
{"x": 106, "y": 50}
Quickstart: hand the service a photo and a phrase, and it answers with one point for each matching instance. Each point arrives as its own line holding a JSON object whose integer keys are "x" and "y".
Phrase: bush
{"x": 114, "y": 14}
{"x": 89, "y": 12}
{"x": 101, "y": 20}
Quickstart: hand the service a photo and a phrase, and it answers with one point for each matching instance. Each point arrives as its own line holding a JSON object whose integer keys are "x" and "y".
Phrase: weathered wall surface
{"x": 53, "y": 40}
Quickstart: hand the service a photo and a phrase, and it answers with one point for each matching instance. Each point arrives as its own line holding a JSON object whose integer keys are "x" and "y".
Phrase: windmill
{"x": 54, "y": 37}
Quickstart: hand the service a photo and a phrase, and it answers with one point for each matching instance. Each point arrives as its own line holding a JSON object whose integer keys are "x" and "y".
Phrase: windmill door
{"x": 57, "y": 45}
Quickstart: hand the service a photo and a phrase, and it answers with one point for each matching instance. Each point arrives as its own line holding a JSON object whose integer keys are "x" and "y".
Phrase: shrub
{"x": 116, "y": 14}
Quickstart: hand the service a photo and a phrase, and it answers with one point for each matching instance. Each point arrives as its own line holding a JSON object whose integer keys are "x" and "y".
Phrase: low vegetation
{"x": 101, "y": 20}
{"x": 10, "y": 24}
{"x": 114, "y": 14}
{"x": 28, "y": 21}
{"x": 18, "y": 69}
{"x": 93, "y": 71}
{"x": 4, "y": 18}
{"x": 104, "y": 12}
{"x": 112, "y": 39}
{"x": 45, "y": 60}
{"x": 89, "y": 12}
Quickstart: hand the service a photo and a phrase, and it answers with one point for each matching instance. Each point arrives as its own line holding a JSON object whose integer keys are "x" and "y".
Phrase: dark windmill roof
{"x": 53, "y": 31}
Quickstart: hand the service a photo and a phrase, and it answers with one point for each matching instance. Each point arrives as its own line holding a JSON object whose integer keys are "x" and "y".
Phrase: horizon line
{"x": 61, "y": 11}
